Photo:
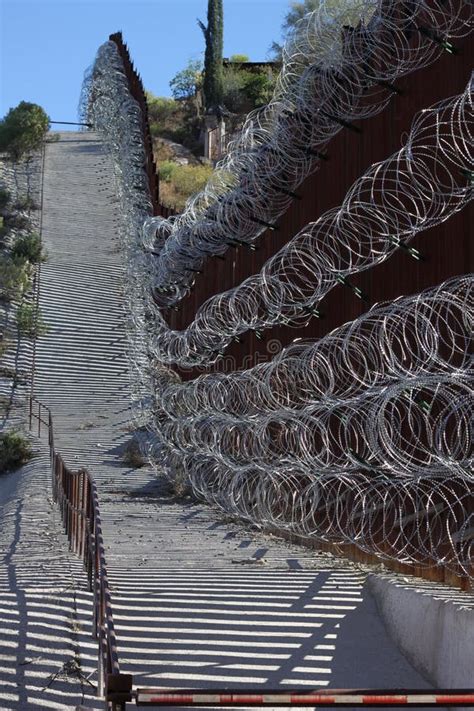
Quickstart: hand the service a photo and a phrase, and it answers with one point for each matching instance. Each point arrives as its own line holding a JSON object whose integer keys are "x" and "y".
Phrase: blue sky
{"x": 46, "y": 45}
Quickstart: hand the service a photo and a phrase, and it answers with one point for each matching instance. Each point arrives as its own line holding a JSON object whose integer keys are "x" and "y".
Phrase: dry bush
{"x": 15, "y": 450}
{"x": 132, "y": 454}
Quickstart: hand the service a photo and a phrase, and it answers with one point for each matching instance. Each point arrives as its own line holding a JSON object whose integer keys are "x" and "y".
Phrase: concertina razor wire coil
{"x": 380, "y": 458}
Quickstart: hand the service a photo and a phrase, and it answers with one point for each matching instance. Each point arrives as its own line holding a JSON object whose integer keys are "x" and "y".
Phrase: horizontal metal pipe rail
{"x": 395, "y": 698}
{"x": 75, "y": 492}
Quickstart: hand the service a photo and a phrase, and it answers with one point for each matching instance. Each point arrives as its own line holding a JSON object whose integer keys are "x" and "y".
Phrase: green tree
{"x": 300, "y": 8}
{"x": 185, "y": 83}
{"x": 245, "y": 90}
{"x": 296, "y": 12}
{"x": 239, "y": 58}
{"x": 23, "y": 129}
{"x": 214, "y": 36}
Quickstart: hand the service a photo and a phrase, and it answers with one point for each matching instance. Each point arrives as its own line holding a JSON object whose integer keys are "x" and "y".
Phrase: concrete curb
{"x": 433, "y": 626}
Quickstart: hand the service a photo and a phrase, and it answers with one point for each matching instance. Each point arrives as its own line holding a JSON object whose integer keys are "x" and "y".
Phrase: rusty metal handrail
{"x": 75, "y": 492}
{"x": 327, "y": 698}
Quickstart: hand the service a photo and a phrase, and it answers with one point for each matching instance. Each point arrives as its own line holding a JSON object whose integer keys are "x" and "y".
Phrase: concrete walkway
{"x": 46, "y": 648}
{"x": 197, "y": 601}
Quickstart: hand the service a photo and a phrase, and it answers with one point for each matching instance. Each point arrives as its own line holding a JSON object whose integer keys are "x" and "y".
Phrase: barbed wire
{"x": 333, "y": 74}
{"x": 411, "y": 337}
{"x": 389, "y": 393}
{"x": 421, "y": 185}
{"x": 364, "y": 436}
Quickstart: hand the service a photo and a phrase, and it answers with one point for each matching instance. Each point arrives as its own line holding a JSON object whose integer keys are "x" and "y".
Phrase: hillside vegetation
{"x": 22, "y": 132}
{"x": 180, "y": 120}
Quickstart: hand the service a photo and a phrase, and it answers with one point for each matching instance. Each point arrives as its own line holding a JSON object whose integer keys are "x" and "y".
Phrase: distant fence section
{"x": 136, "y": 89}
{"x": 217, "y": 140}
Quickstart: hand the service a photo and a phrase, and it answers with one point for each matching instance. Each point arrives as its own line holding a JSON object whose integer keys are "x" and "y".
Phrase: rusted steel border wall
{"x": 447, "y": 248}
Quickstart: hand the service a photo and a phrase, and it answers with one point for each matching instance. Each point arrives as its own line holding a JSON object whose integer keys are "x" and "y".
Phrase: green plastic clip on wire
{"x": 409, "y": 250}
{"x": 312, "y": 311}
{"x": 469, "y": 174}
{"x": 357, "y": 291}
{"x": 444, "y": 43}
{"x": 424, "y": 405}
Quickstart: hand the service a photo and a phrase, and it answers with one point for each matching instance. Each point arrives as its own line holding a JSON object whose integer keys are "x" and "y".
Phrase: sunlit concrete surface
{"x": 47, "y": 655}
{"x": 432, "y": 624}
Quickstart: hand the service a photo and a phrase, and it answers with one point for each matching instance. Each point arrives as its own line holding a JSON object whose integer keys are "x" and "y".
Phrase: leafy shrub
{"x": 232, "y": 85}
{"x": 19, "y": 222}
{"x": 4, "y": 198}
{"x": 161, "y": 109}
{"x": 29, "y": 321}
{"x": 179, "y": 182}
{"x": 170, "y": 119}
{"x": 132, "y": 455}
{"x": 28, "y": 248}
{"x": 239, "y": 58}
{"x": 23, "y": 129}
{"x": 245, "y": 89}
{"x": 166, "y": 170}
{"x": 3, "y": 228}
{"x": 175, "y": 120}
{"x": 25, "y": 203}
{"x": 13, "y": 278}
{"x": 190, "y": 179}
{"x": 258, "y": 87}
{"x": 15, "y": 450}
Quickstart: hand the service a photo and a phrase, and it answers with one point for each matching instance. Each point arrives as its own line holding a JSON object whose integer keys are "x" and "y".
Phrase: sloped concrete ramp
{"x": 47, "y": 655}
{"x": 198, "y": 601}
